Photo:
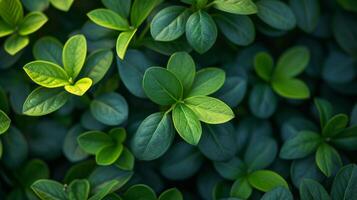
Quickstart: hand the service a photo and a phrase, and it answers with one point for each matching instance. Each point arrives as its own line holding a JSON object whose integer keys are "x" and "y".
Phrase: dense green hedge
{"x": 178, "y": 99}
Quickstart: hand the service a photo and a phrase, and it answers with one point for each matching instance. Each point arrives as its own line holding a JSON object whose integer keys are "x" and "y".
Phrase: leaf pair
{"x": 185, "y": 91}
{"x": 115, "y": 17}
{"x": 107, "y": 148}
{"x": 282, "y": 77}
{"x": 201, "y": 31}
{"x": 13, "y": 22}
{"x": 333, "y": 133}
{"x": 46, "y": 72}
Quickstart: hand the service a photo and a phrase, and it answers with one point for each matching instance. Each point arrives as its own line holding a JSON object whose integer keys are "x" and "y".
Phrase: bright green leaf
{"x": 328, "y": 159}
{"x": 48, "y": 189}
{"x": 16, "y": 43}
{"x": 11, "y": 11}
{"x": 241, "y": 189}
{"x": 109, "y": 154}
{"x": 336, "y": 124}
{"x": 292, "y": 62}
{"x": 32, "y": 22}
{"x": 263, "y": 65}
{"x": 80, "y": 87}
{"x": 123, "y": 42}
{"x": 4, "y": 122}
{"x": 240, "y": 7}
{"x": 266, "y": 180}
{"x": 207, "y": 81}
{"x": 108, "y": 19}
{"x": 291, "y": 88}
{"x": 93, "y": 141}
{"x": 63, "y": 5}
{"x": 74, "y": 55}
{"x": 140, "y": 10}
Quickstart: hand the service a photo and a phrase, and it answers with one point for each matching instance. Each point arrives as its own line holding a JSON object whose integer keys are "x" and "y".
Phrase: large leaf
{"x": 259, "y": 154}
{"x": 209, "y": 110}
{"x": 307, "y": 13}
{"x": 240, "y": 7}
{"x": 153, "y": 137}
{"x": 11, "y": 11}
{"x": 345, "y": 184}
{"x": 47, "y": 74}
{"x": 32, "y": 22}
{"x": 305, "y": 143}
{"x": 74, "y": 55}
{"x": 169, "y": 23}
{"x": 186, "y": 124}
{"x": 162, "y": 86}
{"x": 265, "y": 180}
{"x": 110, "y": 109}
{"x": 310, "y": 189}
{"x": 328, "y": 159}
{"x": 108, "y": 19}
{"x": 201, "y": 31}
{"x": 43, "y": 101}
{"x": 207, "y": 81}
{"x": 48, "y": 189}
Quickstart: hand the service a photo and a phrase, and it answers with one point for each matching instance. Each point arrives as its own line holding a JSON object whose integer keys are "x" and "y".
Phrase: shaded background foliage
{"x": 251, "y": 142}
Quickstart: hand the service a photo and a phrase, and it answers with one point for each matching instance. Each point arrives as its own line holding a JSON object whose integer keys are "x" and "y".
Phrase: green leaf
{"x": 260, "y": 153}
{"x": 201, "y": 31}
{"x": 336, "y": 124}
{"x": 183, "y": 67}
{"x": 171, "y": 194}
{"x": 276, "y": 14}
{"x": 241, "y": 189}
{"x": 16, "y": 148}
{"x": 78, "y": 189}
{"x": 71, "y": 148}
{"x": 232, "y": 169}
{"x": 187, "y": 124}
{"x": 349, "y": 5}
{"x": 154, "y": 130}
{"x": 123, "y": 42}
{"x": 63, "y": 5}
{"x": 262, "y": 101}
{"x": 346, "y": 139}
{"x": 47, "y": 74}
{"x": 16, "y": 43}
{"x": 43, "y": 101}
{"x": 108, "y": 19}
{"x": 345, "y": 38}
{"x": 240, "y": 7}
{"x": 292, "y": 62}
{"x": 328, "y": 159}
{"x": 5, "y": 29}
{"x": 105, "y": 189}
{"x": 266, "y": 180}
{"x": 345, "y": 183}
{"x": 97, "y": 65}
{"x": 209, "y": 110}
{"x": 307, "y": 13}
{"x": 139, "y": 192}
{"x": 305, "y": 143}
{"x": 94, "y": 141}
{"x": 162, "y": 86}
{"x": 80, "y": 87}
{"x": 126, "y": 160}
{"x": 36, "y": 5}
{"x": 122, "y": 7}
{"x": 140, "y": 10}
{"x": 310, "y": 189}
{"x": 291, "y": 88}
{"x": 48, "y": 49}
{"x": 4, "y": 122}
{"x": 33, "y": 170}
{"x": 11, "y": 11}
{"x": 32, "y": 22}
{"x": 237, "y": 29}
{"x": 169, "y": 23}
{"x": 109, "y": 154}
{"x": 207, "y": 81}
{"x": 48, "y": 189}
{"x": 263, "y": 65}
{"x": 110, "y": 109}
{"x": 74, "y": 55}
{"x": 324, "y": 109}
{"x": 279, "y": 193}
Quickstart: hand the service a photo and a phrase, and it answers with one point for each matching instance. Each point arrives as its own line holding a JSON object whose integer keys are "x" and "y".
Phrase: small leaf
{"x": 140, "y": 10}
{"x": 324, "y": 109}
{"x": 307, "y": 13}
{"x": 328, "y": 159}
{"x": 183, "y": 67}
{"x": 80, "y": 87}
{"x": 16, "y": 43}
{"x": 5, "y": 29}
{"x": 240, "y": 7}
{"x": 265, "y": 180}
{"x": 210, "y": 110}
{"x": 310, "y": 189}
{"x": 207, "y": 81}
{"x": 171, "y": 194}
{"x": 232, "y": 169}
{"x": 47, "y": 74}
{"x": 276, "y": 14}
{"x": 78, "y": 189}
{"x": 110, "y": 109}
{"x": 4, "y": 122}
{"x": 93, "y": 141}
{"x": 279, "y": 193}
{"x": 123, "y": 42}
{"x": 291, "y": 88}
{"x": 305, "y": 143}
{"x": 345, "y": 183}
{"x": 201, "y": 31}
{"x": 43, "y": 101}
{"x": 162, "y": 86}
{"x": 292, "y": 62}
{"x": 262, "y": 101}
{"x": 263, "y": 65}
{"x": 126, "y": 160}
{"x": 97, "y": 65}
{"x": 32, "y": 22}
{"x": 336, "y": 124}
{"x": 241, "y": 189}
{"x": 153, "y": 137}
{"x": 71, "y": 148}
{"x": 109, "y": 154}
{"x": 139, "y": 191}
{"x": 74, "y": 55}
{"x": 108, "y": 19}
{"x": 48, "y": 49}
{"x": 187, "y": 124}
{"x": 63, "y": 5}
{"x": 48, "y": 189}
{"x": 346, "y": 139}
{"x": 169, "y": 23}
